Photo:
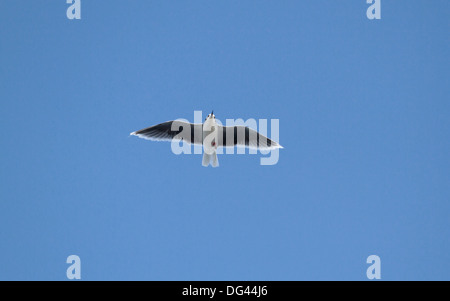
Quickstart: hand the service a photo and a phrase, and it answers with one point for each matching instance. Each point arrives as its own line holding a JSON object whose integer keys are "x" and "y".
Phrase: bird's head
{"x": 211, "y": 116}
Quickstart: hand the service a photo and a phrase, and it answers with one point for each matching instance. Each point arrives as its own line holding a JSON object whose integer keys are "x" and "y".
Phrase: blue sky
{"x": 364, "y": 118}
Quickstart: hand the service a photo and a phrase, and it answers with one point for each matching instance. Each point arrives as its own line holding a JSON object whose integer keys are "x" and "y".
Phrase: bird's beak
{"x": 212, "y": 113}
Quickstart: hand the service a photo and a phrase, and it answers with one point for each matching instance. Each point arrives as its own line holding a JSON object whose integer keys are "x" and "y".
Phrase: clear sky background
{"x": 364, "y": 114}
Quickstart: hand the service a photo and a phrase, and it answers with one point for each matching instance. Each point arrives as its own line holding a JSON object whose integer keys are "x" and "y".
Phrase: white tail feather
{"x": 212, "y": 158}
{"x": 206, "y": 159}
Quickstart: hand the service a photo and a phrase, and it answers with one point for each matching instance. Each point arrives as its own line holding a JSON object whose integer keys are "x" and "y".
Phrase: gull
{"x": 210, "y": 135}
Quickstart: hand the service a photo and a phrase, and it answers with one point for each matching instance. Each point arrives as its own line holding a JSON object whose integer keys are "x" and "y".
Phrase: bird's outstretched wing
{"x": 230, "y": 136}
{"x": 175, "y": 129}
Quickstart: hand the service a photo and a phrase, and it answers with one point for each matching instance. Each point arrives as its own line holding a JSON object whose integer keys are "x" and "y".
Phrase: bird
{"x": 209, "y": 134}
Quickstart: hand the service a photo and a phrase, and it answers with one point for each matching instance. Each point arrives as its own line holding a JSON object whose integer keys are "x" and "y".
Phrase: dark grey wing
{"x": 230, "y": 136}
{"x": 170, "y": 130}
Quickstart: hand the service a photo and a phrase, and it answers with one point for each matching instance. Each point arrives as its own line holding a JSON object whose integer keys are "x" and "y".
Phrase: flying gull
{"x": 209, "y": 134}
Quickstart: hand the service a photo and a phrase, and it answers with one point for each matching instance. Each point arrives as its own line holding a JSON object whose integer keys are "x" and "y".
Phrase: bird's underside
{"x": 209, "y": 134}
{"x": 227, "y": 136}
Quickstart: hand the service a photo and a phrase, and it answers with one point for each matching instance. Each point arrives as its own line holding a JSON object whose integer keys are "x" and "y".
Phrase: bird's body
{"x": 210, "y": 142}
{"x": 210, "y": 135}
